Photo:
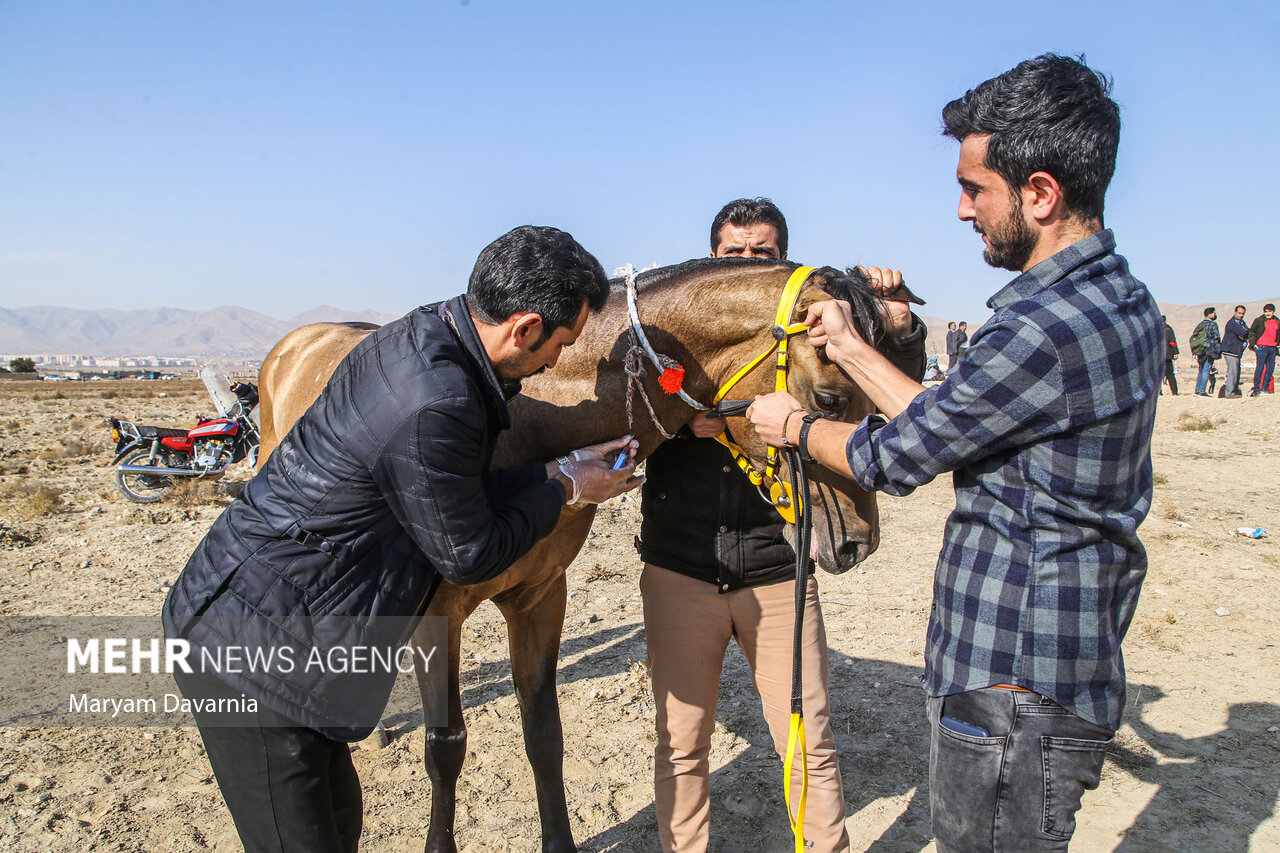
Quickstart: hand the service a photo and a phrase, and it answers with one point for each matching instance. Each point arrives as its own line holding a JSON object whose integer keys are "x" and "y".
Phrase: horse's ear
{"x": 816, "y": 289}
{"x": 809, "y": 296}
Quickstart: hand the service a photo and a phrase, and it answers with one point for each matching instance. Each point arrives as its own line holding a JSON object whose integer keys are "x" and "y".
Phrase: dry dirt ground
{"x": 1195, "y": 768}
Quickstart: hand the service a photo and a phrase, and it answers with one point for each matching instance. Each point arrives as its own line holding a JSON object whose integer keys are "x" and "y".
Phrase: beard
{"x": 1011, "y": 242}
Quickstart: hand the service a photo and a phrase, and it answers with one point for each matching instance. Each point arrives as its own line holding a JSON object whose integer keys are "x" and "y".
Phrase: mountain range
{"x": 226, "y": 331}
{"x": 232, "y": 331}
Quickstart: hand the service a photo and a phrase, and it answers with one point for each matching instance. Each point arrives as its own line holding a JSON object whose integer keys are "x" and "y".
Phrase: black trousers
{"x": 289, "y": 788}
{"x": 1171, "y": 377}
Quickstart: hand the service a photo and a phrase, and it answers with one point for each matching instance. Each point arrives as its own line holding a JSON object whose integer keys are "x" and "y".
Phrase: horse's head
{"x": 845, "y": 517}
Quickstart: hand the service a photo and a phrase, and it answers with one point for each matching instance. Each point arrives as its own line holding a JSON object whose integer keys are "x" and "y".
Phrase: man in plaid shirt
{"x": 1046, "y": 423}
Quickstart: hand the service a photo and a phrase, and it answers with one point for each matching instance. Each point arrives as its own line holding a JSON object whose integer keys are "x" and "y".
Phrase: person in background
{"x": 1235, "y": 337}
{"x": 953, "y": 349}
{"x": 1264, "y": 334}
{"x": 1170, "y": 356}
{"x": 1209, "y": 352}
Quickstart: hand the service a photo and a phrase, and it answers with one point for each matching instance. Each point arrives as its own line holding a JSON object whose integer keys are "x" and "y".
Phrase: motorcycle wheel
{"x": 145, "y": 488}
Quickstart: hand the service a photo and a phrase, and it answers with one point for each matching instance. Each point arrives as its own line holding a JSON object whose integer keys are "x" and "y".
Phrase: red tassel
{"x": 671, "y": 379}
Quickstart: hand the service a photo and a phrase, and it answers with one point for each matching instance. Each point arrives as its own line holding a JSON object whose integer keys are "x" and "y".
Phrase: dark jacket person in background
{"x": 1170, "y": 356}
{"x": 379, "y": 490}
{"x": 1235, "y": 337}
{"x": 1210, "y": 352}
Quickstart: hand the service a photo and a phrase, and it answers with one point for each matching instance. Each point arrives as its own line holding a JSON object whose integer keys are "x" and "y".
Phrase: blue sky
{"x": 284, "y": 155}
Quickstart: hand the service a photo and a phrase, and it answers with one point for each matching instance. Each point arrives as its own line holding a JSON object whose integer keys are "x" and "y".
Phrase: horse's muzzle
{"x": 848, "y": 554}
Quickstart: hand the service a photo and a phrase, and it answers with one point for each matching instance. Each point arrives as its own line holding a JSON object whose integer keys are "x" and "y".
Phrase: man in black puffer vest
{"x": 717, "y": 566}
{"x": 379, "y": 490}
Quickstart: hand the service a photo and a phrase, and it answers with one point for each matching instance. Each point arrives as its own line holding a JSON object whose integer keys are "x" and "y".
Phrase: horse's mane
{"x": 855, "y": 288}
{"x": 850, "y": 286}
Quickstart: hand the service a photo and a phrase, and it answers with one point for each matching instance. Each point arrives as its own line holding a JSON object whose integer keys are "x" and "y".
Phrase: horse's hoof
{"x": 446, "y": 846}
{"x": 559, "y": 846}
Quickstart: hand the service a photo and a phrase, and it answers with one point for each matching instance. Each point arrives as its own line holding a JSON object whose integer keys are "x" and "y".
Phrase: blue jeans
{"x": 1018, "y": 789}
{"x": 1265, "y": 369}
{"x": 1202, "y": 380}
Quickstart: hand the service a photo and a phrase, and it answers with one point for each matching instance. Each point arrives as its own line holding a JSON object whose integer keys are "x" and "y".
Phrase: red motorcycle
{"x": 151, "y": 458}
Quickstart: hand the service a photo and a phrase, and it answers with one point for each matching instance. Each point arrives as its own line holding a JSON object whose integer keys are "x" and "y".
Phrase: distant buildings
{"x": 132, "y": 362}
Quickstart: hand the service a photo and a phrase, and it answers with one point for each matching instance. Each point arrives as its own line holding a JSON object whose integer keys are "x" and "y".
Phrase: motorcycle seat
{"x": 152, "y": 432}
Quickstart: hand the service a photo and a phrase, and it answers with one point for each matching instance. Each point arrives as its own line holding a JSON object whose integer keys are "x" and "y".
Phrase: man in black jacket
{"x": 1170, "y": 356}
{"x": 717, "y": 566}
{"x": 1235, "y": 336}
{"x": 379, "y": 490}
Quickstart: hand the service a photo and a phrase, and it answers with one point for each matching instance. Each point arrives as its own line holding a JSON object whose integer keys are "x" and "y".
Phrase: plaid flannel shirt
{"x": 1047, "y": 423}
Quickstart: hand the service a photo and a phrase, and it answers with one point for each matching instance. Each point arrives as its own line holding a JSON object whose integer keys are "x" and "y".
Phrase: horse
{"x": 712, "y": 316}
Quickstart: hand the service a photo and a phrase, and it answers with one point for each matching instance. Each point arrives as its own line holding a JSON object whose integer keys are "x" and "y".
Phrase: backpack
{"x": 1199, "y": 340}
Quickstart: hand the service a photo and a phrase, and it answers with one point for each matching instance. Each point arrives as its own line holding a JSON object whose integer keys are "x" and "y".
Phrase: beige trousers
{"x": 688, "y": 624}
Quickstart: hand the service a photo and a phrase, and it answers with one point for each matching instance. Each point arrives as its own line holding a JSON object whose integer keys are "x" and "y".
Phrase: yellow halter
{"x": 780, "y": 493}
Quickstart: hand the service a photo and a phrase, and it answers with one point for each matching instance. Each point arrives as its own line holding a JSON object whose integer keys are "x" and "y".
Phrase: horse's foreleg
{"x": 446, "y": 748}
{"x": 534, "y": 631}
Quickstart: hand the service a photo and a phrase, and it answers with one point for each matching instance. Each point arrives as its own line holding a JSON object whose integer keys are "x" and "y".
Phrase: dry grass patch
{"x": 192, "y": 493}
{"x": 599, "y": 572}
{"x": 1188, "y": 422}
{"x": 29, "y": 499}
{"x": 72, "y": 448}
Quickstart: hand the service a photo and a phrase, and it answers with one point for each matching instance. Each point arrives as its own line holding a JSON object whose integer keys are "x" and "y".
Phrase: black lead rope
{"x": 799, "y": 486}
{"x": 796, "y": 739}
{"x": 729, "y": 408}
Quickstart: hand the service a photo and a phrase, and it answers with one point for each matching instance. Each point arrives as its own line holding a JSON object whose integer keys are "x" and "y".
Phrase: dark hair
{"x": 538, "y": 269}
{"x": 1238, "y": 306}
{"x": 750, "y": 211}
{"x": 1209, "y": 311}
{"x": 1051, "y": 114}
{"x": 1270, "y": 306}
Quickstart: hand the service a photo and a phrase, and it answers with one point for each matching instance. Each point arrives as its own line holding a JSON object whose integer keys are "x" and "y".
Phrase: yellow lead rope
{"x": 796, "y": 742}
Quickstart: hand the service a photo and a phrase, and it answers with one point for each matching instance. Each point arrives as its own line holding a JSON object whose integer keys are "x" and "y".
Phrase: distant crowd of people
{"x": 1208, "y": 345}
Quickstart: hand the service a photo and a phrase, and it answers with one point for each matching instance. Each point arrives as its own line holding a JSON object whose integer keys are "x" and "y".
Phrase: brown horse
{"x": 712, "y": 317}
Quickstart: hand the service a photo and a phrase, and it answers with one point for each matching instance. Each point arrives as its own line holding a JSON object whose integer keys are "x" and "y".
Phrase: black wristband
{"x": 803, "y": 443}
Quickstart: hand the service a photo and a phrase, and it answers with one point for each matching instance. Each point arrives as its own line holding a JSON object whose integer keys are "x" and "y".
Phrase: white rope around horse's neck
{"x": 635, "y": 369}
{"x": 635, "y": 379}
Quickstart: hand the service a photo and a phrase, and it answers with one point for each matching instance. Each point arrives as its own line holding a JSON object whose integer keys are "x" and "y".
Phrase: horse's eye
{"x": 828, "y": 402}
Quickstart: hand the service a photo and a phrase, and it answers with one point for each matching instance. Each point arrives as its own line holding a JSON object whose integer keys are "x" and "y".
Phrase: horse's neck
{"x": 711, "y": 324}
